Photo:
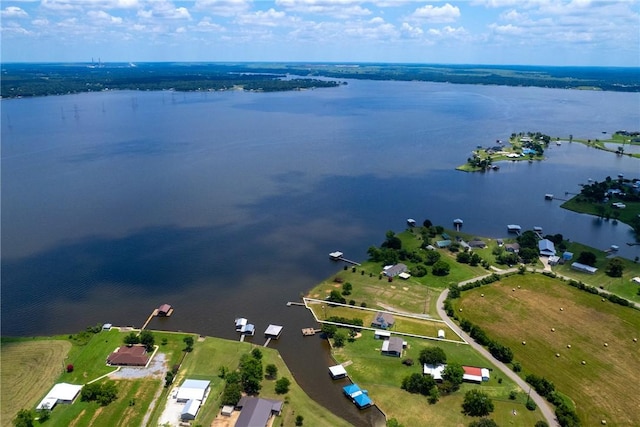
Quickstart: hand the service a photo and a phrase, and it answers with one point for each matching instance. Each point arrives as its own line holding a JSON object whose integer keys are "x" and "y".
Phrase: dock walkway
{"x": 153, "y": 314}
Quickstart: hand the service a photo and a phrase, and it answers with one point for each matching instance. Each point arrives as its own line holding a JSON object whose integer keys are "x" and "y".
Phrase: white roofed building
{"x": 193, "y": 390}
{"x": 60, "y": 393}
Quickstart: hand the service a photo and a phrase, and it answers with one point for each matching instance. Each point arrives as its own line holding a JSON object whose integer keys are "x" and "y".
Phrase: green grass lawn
{"x": 600, "y": 388}
{"x": 625, "y": 215}
{"x": 622, "y": 286}
{"x": 382, "y": 376}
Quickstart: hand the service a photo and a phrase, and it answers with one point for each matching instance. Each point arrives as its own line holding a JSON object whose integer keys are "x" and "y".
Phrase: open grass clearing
{"x": 404, "y": 323}
{"x": 622, "y": 286}
{"x": 382, "y": 376}
{"x": 29, "y": 369}
{"x": 603, "y": 388}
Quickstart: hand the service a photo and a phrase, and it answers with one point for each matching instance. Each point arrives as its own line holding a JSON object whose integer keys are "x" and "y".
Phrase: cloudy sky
{"x": 536, "y": 32}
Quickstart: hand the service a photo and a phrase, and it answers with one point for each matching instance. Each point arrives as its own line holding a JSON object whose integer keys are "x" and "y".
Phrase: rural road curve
{"x": 544, "y": 406}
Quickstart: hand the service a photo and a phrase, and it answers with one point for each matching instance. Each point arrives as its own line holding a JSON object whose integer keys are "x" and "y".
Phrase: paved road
{"x": 545, "y": 407}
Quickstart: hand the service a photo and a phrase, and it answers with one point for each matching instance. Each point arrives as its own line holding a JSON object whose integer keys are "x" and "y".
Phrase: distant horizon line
{"x": 334, "y": 63}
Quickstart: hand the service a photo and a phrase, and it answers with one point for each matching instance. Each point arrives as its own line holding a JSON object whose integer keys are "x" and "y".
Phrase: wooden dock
{"x": 153, "y": 314}
{"x": 290, "y": 303}
{"x": 348, "y": 261}
{"x": 307, "y": 332}
{"x": 267, "y": 343}
{"x": 242, "y": 337}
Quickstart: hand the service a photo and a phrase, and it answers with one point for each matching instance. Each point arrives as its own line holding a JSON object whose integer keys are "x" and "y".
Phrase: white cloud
{"x": 205, "y": 25}
{"x": 13, "y": 12}
{"x": 443, "y": 14}
{"x": 342, "y": 9}
{"x": 164, "y": 10}
{"x": 223, "y": 7}
{"x": 104, "y": 17}
{"x": 507, "y": 29}
{"x": 269, "y": 18}
{"x": 410, "y": 31}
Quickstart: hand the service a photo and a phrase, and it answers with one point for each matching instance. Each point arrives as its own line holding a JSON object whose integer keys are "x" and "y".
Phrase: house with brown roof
{"x": 135, "y": 355}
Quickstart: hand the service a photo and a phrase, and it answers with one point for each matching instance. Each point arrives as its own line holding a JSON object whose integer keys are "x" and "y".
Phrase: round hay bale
{"x": 518, "y": 286}
{"x": 568, "y": 345}
{"x": 460, "y": 310}
{"x": 524, "y": 343}
{"x": 553, "y": 329}
{"x": 603, "y": 300}
{"x": 514, "y": 289}
{"x": 635, "y": 340}
{"x": 561, "y": 309}
{"x": 557, "y": 354}
{"x": 482, "y": 295}
{"x": 584, "y": 362}
{"x": 603, "y": 422}
{"x": 606, "y": 345}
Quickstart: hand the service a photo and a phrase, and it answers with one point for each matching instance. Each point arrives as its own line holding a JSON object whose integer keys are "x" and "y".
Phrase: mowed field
{"x": 526, "y": 308}
{"x": 34, "y": 367}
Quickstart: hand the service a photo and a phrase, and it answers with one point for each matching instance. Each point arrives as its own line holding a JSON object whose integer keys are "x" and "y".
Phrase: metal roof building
{"x": 192, "y": 390}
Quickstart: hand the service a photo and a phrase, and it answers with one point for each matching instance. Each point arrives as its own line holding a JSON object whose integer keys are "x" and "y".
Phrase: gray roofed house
{"x": 190, "y": 410}
{"x": 256, "y": 412}
{"x": 477, "y": 243}
{"x": 394, "y": 270}
{"x": 512, "y": 247}
{"x": 393, "y": 347}
{"x": 383, "y": 320}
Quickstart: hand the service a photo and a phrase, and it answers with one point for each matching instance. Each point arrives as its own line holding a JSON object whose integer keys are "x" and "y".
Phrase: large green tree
{"x": 615, "y": 268}
{"x": 24, "y": 418}
{"x": 432, "y": 356}
{"x": 477, "y": 403}
{"x": 453, "y": 373}
{"x": 418, "y": 383}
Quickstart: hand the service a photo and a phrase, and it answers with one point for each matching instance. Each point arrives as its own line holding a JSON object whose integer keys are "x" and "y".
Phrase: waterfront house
{"x": 256, "y": 412}
{"x": 546, "y": 247}
{"x": 443, "y": 244}
{"x": 512, "y": 247}
{"x": 393, "y": 347}
{"x": 394, "y": 270}
{"x": 358, "y": 396}
{"x": 134, "y": 355}
{"x": 383, "y": 320}
{"x": 477, "y": 243}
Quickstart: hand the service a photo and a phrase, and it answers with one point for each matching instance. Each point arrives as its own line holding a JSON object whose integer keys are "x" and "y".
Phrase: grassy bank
{"x": 382, "y": 376}
{"x": 601, "y": 388}
{"x": 30, "y": 367}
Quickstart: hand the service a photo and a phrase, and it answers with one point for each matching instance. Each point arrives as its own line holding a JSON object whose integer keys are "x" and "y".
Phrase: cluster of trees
{"x": 101, "y": 392}
{"x": 424, "y": 384}
{"x": 480, "y": 163}
{"x": 497, "y": 350}
{"x": 248, "y": 378}
{"x": 566, "y": 416}
{"x": 145, "y": 338}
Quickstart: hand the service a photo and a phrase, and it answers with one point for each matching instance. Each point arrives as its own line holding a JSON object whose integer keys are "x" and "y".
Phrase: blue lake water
{"x": 227, "y": 204}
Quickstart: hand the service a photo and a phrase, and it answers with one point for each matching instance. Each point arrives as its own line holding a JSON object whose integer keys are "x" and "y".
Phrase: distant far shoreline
{"x": 43, "y": 79}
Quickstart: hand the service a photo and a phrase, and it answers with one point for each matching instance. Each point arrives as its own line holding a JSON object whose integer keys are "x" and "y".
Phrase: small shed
{"x": 381, "y": 335}
{"x": 554, "y": 260}
{"x": 636, "y": 280}
{"x": 107, "y": 327}
{"x": 227, "y": 410}
{"x": 567, "y": 255}
{"x": 337, "y": 372}
{"x": 273, "y": 331}
{"x": 443, "y": 244}
{"x": 404, "y": 275}
{"x": 248, "y": 329}
{"x": 584, "y": 268}
{"x": 440, "y": 333}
